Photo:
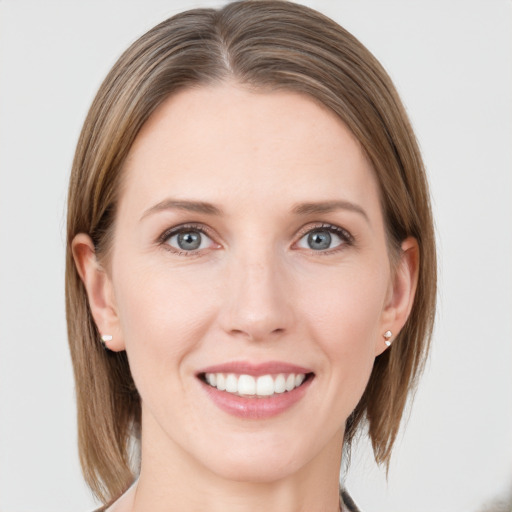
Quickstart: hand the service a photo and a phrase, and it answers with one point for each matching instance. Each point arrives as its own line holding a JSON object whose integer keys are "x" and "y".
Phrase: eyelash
{"x": 347, "y": 238}
{"x": 164, "y": 237}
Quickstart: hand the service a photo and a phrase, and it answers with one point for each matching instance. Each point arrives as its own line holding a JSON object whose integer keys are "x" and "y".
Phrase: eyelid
{"x": 345, "y": 235}
{"x": 347, "y": 238}
{"x": 324, "y": 225}
{"x": 189, "y": 226}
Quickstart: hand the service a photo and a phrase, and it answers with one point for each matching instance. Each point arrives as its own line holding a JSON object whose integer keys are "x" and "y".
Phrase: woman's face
{"x": 249, "y": 251}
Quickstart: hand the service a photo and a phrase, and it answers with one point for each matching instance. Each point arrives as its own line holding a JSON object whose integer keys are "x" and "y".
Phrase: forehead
{"x": 225, "y": 142}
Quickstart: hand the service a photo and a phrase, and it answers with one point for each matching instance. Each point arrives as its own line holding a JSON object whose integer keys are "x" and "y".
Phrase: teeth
{"x": 280, "y": 384}
{"x": 221, "y": 381}
{"x": 247, "y": 385}
{"x": 265, "y": 385}
{"x": 290, "y": 382}
{"x": 231, "y": 384}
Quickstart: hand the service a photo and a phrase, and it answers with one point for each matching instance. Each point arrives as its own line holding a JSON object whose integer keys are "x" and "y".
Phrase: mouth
{"x": 251, "y": 386}
{"x": 256, "y": 391}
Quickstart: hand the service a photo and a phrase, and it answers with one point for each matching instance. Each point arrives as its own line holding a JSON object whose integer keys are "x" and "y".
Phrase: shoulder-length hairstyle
{"x": 267, "y": 45}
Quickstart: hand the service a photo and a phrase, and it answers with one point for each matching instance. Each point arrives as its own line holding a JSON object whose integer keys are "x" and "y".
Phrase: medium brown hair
{"x": 267, "y": 45}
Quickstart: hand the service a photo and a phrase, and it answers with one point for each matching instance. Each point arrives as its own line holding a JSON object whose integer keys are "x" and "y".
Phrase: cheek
{"x": 162, "y": 317}
{"x": 344, "y": 317}
{"x": 348, "y": 301}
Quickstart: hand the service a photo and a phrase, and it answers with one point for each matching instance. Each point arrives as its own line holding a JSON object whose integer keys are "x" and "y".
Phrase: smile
{"x": 256, "y": 391}
{"x": 251, "y": 386}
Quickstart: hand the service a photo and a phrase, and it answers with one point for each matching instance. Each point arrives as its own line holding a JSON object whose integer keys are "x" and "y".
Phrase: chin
{"x": 255, "y": 471}
{"x": 257, "y": 460}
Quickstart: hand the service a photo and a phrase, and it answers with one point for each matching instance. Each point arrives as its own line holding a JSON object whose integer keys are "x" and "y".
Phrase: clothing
{"x": 347, "y": 501}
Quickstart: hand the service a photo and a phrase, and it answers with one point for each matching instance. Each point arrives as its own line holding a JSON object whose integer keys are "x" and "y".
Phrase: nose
{"x": 258, "y": 297}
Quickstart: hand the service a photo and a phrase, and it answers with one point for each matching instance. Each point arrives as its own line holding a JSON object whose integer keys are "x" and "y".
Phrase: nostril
{"x": 258, "y": 333}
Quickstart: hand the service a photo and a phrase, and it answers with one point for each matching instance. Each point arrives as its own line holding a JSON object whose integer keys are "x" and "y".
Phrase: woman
{"x": 250, "y": 264}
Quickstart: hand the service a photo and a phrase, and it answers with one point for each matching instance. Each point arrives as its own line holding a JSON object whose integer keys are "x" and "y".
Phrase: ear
{"x": 401, "y": 292}
{"x": 100, "y": 294}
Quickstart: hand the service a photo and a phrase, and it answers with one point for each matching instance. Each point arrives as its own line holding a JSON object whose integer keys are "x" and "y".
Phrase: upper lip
{"x": 255, "y": 369}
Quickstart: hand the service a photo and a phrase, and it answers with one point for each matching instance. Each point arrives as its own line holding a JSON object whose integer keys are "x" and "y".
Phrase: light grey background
{"x": 452, "y": 63}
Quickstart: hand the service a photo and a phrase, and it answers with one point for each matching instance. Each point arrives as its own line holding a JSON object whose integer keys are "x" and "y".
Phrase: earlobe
{"x": 99, "y": 290}
{"x": 402, "y": 291}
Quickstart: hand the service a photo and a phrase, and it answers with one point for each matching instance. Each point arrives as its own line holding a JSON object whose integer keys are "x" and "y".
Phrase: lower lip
{"x": 256, "y": 408}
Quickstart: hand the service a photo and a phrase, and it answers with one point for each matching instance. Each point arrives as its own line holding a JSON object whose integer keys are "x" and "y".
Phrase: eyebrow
{"x": 211, "y": 209}
{"x": 328, "y": 206}
{"x": 189, "y": 206}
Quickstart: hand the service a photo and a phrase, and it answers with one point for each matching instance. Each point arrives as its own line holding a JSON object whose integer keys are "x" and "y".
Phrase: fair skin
{"x": 288, "y": 263}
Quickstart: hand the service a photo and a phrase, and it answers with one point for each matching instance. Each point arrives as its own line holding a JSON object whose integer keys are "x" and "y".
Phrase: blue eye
{"x": 188, "y": 240}
{"x": 324, "y": 238}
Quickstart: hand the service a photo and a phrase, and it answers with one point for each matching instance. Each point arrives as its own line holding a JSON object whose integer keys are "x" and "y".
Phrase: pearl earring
{"x": 105, "y": 338}
{"x": 387, "y": 337}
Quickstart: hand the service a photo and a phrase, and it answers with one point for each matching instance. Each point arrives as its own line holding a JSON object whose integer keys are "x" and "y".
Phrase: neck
{"x": 171, "y": 480}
